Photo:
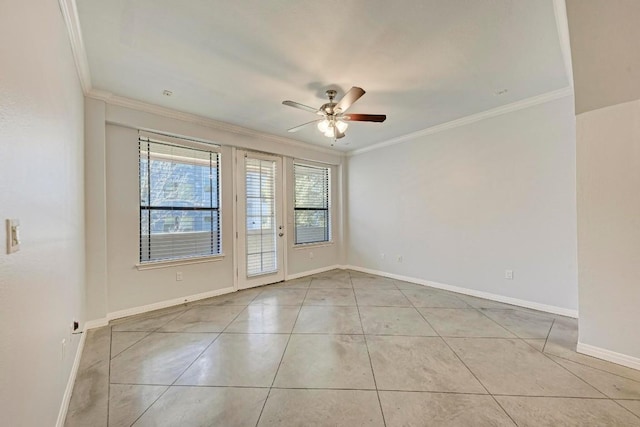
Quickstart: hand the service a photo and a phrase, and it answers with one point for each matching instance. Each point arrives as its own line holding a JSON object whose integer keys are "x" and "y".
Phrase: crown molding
{"x": 562, "y": 26}
{"x": 508, "y": 108}
{"x": 134, "y": 104}
{"x": 72, "y": 21}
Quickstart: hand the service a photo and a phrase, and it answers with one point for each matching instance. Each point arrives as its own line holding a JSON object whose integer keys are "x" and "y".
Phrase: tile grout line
{"x": 515, "y": 336}
{"x": 366, "y": 344}
{"x": 548, "y": 334}
{"x": 464, "y": 364}
{"x": 283, "y": 353}
{"x": 597, "y": 369}
{"x": 185, "y": 370}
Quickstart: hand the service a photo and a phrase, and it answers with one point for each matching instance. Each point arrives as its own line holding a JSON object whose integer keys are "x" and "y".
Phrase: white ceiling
{"x": 422, "y": 62}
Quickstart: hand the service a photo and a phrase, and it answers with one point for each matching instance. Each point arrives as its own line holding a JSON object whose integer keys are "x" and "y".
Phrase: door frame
{"x": 239, "y": 217}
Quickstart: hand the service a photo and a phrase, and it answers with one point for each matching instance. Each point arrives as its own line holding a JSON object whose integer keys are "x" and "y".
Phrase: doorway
{"x": 260, "y": 219}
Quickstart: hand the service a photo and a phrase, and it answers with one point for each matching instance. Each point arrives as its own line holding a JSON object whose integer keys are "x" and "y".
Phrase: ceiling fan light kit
{"x": 334, "y": 121}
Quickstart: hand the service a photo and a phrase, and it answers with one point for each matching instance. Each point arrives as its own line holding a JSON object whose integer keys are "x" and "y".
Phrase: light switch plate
{"x": 13, "y": 235}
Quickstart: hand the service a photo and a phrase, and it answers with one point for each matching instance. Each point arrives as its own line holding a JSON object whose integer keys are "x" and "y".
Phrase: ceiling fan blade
{"x": 301, "y": 107}
{"x": 379, "y": 118}
{"x": 349, "y": 98}
{"x": 297, "y": 128}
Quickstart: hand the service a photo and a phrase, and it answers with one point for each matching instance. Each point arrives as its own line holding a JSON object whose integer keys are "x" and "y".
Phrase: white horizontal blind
{"x": 312, "y": 204}
{"x": 179, "y": 201}
{"x": 261, "y": 216}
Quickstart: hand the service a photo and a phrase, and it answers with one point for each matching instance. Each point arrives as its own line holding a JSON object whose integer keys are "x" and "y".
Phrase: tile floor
{"x": 351, "y": 349}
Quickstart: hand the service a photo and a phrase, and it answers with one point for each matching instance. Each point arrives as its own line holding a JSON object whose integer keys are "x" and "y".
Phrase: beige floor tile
{"x": 485, "y": 303}
{"x": 325, "y": 361}
{"x": 204, "y": 318}
{"x": 554, "y": 412}
{"x": 410, "y": 286}
{"x": 90, "y": 397}
{"x": 301, "y": 283}
{"x": 147, "y": 322}
{"x": 394, "y": 321}
{"x": 159, "y": 358}
{"x": 337, "y": 275}
{"x": 305, "y": 336}
{"x": 289, "y": 297}
{"x": 461, "y": 322}
{"x": 128, "y": 402}
{"x": 373, "y": 283}
{"x": 206, "y": 406}
{"x": 328, "y": 320}
{"x": 342, "y": 297}
{"x": 265, "y": 319}
{"x": 419, "y": 364}
{"x": 121, "y": 341}
{"x": 243, "y": 297}
{"x": 537, "y": 343}
{"x": 322, "y": 408}
{"x": 431, "y": 298}
{"x": 631, "y": 405}
{"x": 507, "y": 366}
{"x": 560, "y": 351}
{"x": 381, "y": 298}
{"x": 321, "y": 283}
{"x": 249, "y": 360}
{"x": 613, "y": 386}
{"x": 522, "y": 323}
{"x": 441, "y": 409}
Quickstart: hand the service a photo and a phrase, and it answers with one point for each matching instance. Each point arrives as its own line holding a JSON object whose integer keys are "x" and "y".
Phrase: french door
{"x": 260, "y": 219}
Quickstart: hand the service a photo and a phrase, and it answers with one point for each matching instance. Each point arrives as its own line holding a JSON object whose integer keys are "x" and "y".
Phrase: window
{"x": 311, "y": 204}
{"x": 179, "y": 201}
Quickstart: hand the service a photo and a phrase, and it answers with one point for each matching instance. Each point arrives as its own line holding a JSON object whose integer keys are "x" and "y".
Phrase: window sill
{"x": 182, "y": 261}
{"x": 302, "y": 246}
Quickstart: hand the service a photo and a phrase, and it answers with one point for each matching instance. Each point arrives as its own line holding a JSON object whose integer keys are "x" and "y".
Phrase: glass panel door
{"x": 260, "y": 258}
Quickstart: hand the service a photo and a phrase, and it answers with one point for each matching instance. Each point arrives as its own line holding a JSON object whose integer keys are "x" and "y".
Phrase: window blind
{"x": 179, "y": 201}
{"x": 261, "y": 216}
{"x": 311, "y": 204}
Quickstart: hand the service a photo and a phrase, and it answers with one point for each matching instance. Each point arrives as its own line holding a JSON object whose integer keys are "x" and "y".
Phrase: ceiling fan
{"x": 333, "y": 121}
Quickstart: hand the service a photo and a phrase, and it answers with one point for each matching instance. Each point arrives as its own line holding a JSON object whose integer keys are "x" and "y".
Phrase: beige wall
{"x": 463, "y": 205}
{"x": 112, "y": 182}
{"x": 609, "y": 227}
{"x": 606, "y": 68}
{"x": 41, "y": 184}
{"x": 605, "y": 51}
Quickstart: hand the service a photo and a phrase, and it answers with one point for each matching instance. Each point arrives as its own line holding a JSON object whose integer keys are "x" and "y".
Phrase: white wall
{"x": 463, "y": 205}
{"x": 41, "y": 183}
{"x": 112, "y": 180}
{"x": 609, "y": 227}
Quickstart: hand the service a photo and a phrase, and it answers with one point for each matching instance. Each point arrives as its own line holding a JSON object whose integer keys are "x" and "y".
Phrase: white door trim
{"x": 244, "y": 282}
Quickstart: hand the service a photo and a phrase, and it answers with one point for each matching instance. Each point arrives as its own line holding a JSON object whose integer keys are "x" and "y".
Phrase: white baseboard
{"x": 66, "y": 397}
{"x": 97, "y": 323}
{"x": 316, "y": 271}
{"x": 168, "y": 303}
{"x": 486, "y": 295}
{"x": 608, "y": 355}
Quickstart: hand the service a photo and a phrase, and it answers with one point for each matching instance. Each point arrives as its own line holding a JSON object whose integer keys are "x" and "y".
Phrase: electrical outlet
{"x": 400, "y": 258}
{"x": 179, "y": 276}
{"x": 63, "y": 350}
{"x": 508, "y": 274}
{"x": 382, "y": 255}
{"x": 310, "y": 255}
